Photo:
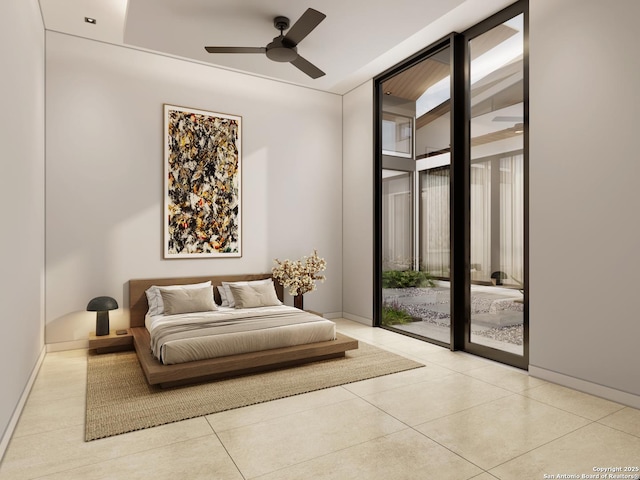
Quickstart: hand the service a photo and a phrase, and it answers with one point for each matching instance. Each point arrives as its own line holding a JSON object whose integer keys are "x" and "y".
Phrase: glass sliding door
{"x": 497, "y": 188}
{"x": 451, "y": 196}
{"x": 416, "y": 157}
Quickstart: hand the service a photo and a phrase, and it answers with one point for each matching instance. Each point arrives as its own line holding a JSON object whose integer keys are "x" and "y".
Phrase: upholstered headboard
{"x": 138, "y": 306}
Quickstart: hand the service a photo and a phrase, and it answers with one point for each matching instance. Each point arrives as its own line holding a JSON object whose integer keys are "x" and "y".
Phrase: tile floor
{"x": 461, "y": 417}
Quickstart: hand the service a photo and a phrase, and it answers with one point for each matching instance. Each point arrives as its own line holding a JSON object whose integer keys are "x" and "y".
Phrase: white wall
{"x": 105, "y": 175}
{"x": 358, "y": 167}
{"x": 22, "y": 200}
{"x": 584, "y": 198}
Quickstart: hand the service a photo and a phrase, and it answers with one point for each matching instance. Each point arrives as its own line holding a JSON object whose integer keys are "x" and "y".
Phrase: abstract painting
{"x": 202, "y": 183}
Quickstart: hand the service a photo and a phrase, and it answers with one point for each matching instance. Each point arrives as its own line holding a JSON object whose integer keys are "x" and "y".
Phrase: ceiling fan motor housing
{"x": 279, "y": 51}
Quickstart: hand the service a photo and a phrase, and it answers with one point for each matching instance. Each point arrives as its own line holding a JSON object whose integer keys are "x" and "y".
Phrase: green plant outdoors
{"x": 392, "y": 315}
{"x": 406, "y": 279}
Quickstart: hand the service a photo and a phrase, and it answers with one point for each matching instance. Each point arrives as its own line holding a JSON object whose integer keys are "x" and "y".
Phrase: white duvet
{"x": 230, "y": 331}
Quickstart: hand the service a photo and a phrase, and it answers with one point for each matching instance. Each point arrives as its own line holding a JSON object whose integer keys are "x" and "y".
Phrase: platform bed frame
{"x": 223, "y": 367}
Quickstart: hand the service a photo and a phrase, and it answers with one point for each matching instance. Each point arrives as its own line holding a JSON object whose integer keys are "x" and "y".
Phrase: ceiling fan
{"x": 283, "y": 48}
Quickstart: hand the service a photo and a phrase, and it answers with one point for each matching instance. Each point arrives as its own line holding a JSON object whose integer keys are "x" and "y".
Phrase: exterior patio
{"x": 496, "y": 314}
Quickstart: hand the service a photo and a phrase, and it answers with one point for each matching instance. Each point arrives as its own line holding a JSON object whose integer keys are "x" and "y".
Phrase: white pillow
{"x": 154, "y": 297}
{"x": 229, "y": 295}
{"x": 223, "y": 296}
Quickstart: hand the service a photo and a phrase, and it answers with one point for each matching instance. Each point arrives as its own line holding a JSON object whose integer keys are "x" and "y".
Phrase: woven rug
{"x": 120, "y": 400}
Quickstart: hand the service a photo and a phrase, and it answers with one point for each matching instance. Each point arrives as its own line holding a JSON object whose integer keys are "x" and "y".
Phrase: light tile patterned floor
{"x": 461, "y": 417}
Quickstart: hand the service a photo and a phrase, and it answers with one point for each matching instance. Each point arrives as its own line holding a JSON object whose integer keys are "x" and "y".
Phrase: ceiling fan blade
{"x": 307, "y": 67}
{"x": 235, "y": 49}
{"x": 303, "y": 27}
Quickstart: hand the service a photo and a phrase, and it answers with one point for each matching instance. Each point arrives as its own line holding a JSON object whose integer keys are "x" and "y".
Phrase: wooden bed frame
{"x": 223, "y": 367}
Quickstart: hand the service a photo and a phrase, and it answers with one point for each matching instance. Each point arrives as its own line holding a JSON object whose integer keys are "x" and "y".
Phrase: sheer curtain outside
{"x": 507, "y": 210}
{"x": 435, "y": 247}
{"x": 512, "y": 218}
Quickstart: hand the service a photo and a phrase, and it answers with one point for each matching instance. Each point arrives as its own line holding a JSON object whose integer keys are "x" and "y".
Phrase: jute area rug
{"x": 120, "y": 400}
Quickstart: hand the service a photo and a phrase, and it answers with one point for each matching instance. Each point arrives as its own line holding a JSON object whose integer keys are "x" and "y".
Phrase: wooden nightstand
{"x": 112, "y": 342}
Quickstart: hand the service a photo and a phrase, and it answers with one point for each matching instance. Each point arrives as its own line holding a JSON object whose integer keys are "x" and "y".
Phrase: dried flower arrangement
{"x": 300, "y": 276}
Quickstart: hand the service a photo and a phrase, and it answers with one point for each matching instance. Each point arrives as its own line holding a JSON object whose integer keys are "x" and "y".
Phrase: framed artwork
{"x": 202, "y": 174}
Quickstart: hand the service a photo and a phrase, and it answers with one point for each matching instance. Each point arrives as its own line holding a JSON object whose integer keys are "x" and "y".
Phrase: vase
{"x": 297, "y": 301}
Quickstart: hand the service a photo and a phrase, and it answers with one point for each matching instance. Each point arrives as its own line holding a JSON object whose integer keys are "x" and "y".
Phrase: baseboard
{"x": 332, "y": 315}
{"x": 62, "y": 346}
{"x": 8, "y": 433}
{"x": 607, "y": 393}
{"x": 356, "y": 318}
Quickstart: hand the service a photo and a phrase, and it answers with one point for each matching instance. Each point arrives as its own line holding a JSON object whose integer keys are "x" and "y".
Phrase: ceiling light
{"x": 90, "y": 20}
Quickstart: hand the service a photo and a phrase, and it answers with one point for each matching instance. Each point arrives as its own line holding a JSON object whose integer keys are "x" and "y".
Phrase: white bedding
{"x": 231, "y": 331}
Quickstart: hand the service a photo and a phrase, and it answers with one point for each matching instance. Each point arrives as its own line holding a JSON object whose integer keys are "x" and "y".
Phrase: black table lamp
{"x": 102, "y": 305}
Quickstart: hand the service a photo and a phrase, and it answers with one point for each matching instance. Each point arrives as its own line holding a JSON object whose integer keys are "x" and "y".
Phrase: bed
{"x": 262, "y": 356}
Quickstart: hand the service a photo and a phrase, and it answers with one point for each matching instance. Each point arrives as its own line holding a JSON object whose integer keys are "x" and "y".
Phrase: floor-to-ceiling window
{"x": 451, "y": 152}
{"x": 497, "y": 161}
{"x": 415, "y": 275}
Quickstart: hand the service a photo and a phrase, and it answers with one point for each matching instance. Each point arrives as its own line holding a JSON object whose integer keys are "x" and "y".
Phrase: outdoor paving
{"x": 496, "y": 315}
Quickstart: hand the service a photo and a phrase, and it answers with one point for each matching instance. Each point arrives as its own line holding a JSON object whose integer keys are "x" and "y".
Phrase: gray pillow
{"x": 154, "y": 298}
{"x": 254, "y": 295}
{"x": 228, "y": 296}
{"x": 187, "y": 300}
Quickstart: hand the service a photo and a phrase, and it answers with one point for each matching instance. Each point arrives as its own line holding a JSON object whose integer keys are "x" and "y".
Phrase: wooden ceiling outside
{"x": 413, "y": 82}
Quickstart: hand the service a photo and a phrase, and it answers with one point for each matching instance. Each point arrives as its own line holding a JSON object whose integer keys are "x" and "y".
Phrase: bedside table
{"x": 112, "y": 342}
